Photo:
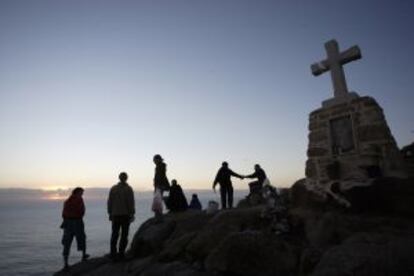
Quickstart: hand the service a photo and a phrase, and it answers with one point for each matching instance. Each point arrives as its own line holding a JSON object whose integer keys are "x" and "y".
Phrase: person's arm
{"x": 235, "y": 174}
{"x": 253, "y": 175}
{"x": 64, "y": 210}
{"x": 131, "y": 201}
{"x": 82, "y": 208}
{"x": 216, "y": 180}
{"x": 109, "y": 203}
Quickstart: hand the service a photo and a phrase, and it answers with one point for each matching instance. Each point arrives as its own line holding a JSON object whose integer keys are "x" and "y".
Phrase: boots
{"x": 65, "y": 262}
{"x": 84, "y": 256}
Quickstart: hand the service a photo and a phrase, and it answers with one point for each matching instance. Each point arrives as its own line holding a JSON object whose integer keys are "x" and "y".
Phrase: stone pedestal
{"x": 346, "y": 98}
{"x": 350, "y": 141}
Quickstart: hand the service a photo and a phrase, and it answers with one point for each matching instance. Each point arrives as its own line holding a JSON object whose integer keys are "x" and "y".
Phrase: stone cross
{"x": 334, "y": 63}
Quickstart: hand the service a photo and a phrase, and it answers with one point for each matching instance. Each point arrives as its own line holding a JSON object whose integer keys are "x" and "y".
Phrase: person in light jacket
{"x": 121, "y": 211}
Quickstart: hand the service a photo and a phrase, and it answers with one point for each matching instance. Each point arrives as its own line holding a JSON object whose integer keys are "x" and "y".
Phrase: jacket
{"x": 160, "y": 178}
{"x": 121, "y": 200}
{"x": 73, "y": 208}
{"x": 223, "y": 177}
{"x": 259, "y": 174}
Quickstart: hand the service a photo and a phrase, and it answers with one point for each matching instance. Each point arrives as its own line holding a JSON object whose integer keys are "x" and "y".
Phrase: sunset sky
{"x": 92, "y": 88}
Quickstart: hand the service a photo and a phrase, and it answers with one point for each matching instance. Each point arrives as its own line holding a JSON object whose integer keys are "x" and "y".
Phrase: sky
{"x": 92, "y": 88}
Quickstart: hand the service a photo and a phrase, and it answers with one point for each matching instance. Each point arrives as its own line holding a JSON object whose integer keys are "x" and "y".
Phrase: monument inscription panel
{"x": 342, "y": 136}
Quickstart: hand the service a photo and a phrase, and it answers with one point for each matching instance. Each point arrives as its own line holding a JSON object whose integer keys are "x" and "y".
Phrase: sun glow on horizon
{"x": 55, "y": 197}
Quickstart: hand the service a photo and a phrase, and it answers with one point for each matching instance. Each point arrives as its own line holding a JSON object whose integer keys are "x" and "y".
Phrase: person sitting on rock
{"x": 73, "y": 212}
{"x": 176, "y": 200}
{"x": 195, "y": 203}
{"x": 259, "y": 173}
{"x": 223, "y": 178}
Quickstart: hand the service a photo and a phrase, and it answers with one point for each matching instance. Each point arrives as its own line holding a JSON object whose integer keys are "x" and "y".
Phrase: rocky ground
{"x": 373, "y": 237}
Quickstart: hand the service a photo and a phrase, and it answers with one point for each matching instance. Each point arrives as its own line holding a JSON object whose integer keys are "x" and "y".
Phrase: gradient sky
{"x": 92, "y": 88}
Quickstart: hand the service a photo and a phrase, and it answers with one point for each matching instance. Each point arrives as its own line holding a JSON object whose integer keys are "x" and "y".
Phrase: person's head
{"x": 157, "y": 159}
{"x": 195, "y": 196}
{"x": 123, "y": 177}
{"x": 256, "y": 167}
{"x": 225, "y": 164}
{"x": 173, "y": 182}
{"x": 78, "y": 191}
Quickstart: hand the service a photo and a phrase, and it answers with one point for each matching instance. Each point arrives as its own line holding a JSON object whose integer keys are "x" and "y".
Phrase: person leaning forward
{"x": 259, "y": 173}
{"x": 72, "y": 214}
{"x": 223, "y": 178}
{"x": 121, "y": 211}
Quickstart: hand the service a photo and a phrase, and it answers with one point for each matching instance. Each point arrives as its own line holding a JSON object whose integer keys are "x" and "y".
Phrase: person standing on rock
{"x": 161, "y": 184}
{"x": 223, "y": 178}
{"x": 72, "y": 214}
{"x": 160, "y": 177}
{"x": 121, "y": 211}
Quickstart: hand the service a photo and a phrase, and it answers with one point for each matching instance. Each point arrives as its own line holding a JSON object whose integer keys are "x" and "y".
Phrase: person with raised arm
{"x": 223, "y": 178}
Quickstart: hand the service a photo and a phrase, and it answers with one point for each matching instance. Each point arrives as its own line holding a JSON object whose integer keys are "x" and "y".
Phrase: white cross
{"x": 334, "y": 63}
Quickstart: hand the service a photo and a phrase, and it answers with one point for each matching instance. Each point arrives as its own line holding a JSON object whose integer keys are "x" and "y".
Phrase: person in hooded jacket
{"x": 195, "y": 203}
{"x": 176, "y": 201}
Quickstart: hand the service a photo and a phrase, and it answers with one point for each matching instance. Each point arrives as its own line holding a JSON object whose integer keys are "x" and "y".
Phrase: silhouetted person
{"x": 176, "y": 200}
{"x": 160, "y": 178}
{"x": 195, "y": 203}
{"x": 259, "y": 173}
{"x": 121, "y": 211}
{"x": 73, "y": 212}
{"x": 226, "y": 188}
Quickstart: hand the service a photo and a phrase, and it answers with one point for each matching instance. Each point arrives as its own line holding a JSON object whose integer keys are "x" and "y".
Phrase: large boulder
{"x": 251, "y": 253}
{"x": 170, "y": 235}
{"x": 83, "y": 268}
{"x": 150, "y": 237}
{"x": 224, "y": 223}
{"x": 302, "y": 196}
{"x": 385, "y": 196}
{"x": 393, "y": 196}
{"x": 367, "y": 254}
{"x": 172, "y": 269}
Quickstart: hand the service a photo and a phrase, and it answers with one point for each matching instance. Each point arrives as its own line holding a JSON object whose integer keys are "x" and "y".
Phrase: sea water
{"x": 30, "y": 237}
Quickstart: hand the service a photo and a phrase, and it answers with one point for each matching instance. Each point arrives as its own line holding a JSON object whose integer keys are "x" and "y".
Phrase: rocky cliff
{"x": 374, "y": 237}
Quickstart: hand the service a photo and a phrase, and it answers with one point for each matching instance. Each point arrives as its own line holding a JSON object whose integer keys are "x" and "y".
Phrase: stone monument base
{"x": 350, "y": 142}
{"x": 339, "y": 100}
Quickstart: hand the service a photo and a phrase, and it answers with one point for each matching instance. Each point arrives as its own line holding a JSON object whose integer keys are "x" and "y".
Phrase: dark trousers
{"x": 226, "y": 193}
{"x": 119, "y": 223}
{"x": 73, "y": 228}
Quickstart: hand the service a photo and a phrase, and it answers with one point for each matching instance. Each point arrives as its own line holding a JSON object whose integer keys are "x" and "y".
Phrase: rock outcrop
{"x": 325, "y": 238}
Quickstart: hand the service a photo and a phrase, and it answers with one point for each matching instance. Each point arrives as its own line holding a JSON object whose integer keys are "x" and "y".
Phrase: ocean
{"x": 30, "y": 237}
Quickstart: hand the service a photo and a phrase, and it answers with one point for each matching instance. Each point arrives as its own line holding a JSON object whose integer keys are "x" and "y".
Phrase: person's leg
{"x": 66, "y": 242}
{"x": 223, "y": 195}
{"x": 230, "y": 196}
{"x": 81, "y": 239}
{"x": 115, "y": 234}
{"x": 124, "y": 236}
